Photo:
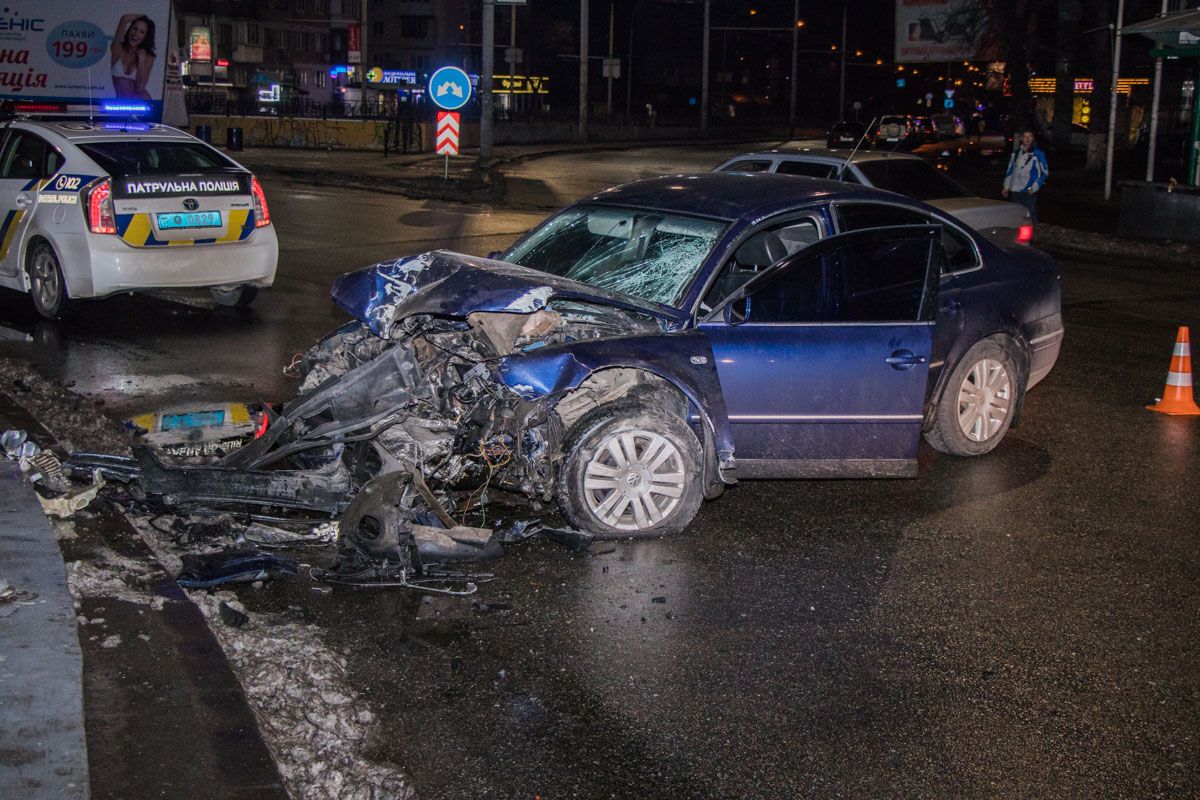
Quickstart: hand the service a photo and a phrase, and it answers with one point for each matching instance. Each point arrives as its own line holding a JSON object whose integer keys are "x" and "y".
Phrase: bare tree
{"x": 1070, "y": 13}
{"x": 1097, "y": 15}
{"x": 1012, "y": 32}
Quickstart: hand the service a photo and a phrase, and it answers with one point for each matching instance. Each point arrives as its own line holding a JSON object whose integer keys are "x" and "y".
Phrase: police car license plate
{"x": 190, "y": 219}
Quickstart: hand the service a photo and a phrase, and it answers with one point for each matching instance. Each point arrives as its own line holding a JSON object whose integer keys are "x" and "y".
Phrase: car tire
{"x": 979, "y": 401}
{"x": 605, "y": 490}
{"x": 237, "y": 297}
{"x": 47, "y": 287}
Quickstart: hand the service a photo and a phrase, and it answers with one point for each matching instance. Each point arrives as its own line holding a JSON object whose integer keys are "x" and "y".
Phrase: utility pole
{"x": 704, "y": 70}
{"x": 608, "y": 104}
{"x": 1114, "y": 97}
{"x": 583, "y": 70}
{"x": 842, "y": 78}
{"x": 629, "y": 66}
{"x": 795, "y": 55}
{"x": 1158, "y": 65}
{"x": 485, "y": 82}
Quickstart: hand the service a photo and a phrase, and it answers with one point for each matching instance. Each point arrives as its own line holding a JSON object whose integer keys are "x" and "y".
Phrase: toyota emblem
{"x": 191, "y": 204}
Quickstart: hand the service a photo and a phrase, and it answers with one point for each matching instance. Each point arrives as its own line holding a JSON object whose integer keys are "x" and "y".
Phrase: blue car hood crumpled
{"x": 454, "y": 285}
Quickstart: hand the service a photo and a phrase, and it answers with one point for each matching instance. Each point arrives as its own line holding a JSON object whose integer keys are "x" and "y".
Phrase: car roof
{"x": 88, "y": 131}
{"x": 825, "y": 155}
{"x": 730, "y": 195}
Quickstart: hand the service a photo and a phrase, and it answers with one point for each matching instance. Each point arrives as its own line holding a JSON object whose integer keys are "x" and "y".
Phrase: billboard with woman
{"x": 82, "y": 51}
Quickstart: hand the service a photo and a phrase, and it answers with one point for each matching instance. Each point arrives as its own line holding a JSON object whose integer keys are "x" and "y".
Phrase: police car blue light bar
{"x": 124, "y": 107}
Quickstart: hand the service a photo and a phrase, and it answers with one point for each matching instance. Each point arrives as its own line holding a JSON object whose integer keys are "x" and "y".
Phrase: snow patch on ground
{"x": 313, "y": 725}
{"x": 76, "y": 422}
{"x": 109, "y": 574}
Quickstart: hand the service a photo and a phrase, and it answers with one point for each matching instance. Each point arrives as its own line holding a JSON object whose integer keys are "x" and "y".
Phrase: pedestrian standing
{"x": 1026, "y": 174}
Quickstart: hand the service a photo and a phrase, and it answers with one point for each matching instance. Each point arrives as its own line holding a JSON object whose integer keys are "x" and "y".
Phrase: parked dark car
{"x": 846, "y": 135}
{"x": 642, "y": 349}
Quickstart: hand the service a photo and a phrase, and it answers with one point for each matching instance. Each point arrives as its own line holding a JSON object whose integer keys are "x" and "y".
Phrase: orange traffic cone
{"x": 1177, "y": 396}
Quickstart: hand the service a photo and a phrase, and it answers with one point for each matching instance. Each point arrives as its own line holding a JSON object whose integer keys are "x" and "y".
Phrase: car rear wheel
{"x": 978, "y": 402}
{"x": 237, "y": 297}
{"x": 631, "y": 471}
{"x": 46, "y": 285}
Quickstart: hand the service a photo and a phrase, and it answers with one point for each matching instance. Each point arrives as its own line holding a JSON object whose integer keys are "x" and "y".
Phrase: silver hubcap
{"x": 634, "y": 480}
{"x": 44, "y": 277}
{"x": 984, "y": 400}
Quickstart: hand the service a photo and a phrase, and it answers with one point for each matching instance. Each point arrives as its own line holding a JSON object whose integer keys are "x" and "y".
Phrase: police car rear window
{"x": 150, "y": 158}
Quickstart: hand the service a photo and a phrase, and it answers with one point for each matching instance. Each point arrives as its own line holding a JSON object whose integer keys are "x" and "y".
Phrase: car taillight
{"x": 100, "y": 216}
{"x": 1025, "y": 234}
{"x": 262, "y": 214}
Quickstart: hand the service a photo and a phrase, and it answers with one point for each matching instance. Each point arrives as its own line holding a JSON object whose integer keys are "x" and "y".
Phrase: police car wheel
{"x": 46, "y": 285}
{"x": 237, "y": 297}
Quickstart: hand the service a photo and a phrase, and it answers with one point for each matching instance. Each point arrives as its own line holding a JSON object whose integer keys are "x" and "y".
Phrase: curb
{"x": 1069, "y": 242}
{"x": 43, "y": 747}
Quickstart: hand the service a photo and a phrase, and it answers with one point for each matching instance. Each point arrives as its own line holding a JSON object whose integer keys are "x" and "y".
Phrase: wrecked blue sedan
{"x": 645, "y": 348}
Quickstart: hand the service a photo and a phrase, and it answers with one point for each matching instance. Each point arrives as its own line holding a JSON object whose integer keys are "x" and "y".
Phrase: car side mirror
{"x": 736, "y": 310}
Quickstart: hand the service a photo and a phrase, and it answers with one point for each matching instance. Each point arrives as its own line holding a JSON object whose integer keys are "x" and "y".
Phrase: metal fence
{"x": 297, "y": 107}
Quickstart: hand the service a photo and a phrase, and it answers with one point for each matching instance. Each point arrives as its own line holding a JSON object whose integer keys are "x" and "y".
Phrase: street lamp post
{"x": 842, "y": 78}
{"x": 485, "y": 81}
{"x": 795, "y": 59}
{"x": 1113, "y": 98}
{"x": 583, "y": 70}
{"x": 704, "y": 70}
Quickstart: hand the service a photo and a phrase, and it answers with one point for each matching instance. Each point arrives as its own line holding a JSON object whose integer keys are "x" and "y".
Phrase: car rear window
{"x": 807, "y": 169}
{"x": 747, "y": 166}
{"x": 912, "y": 177}
{"x": 149, "y": 158}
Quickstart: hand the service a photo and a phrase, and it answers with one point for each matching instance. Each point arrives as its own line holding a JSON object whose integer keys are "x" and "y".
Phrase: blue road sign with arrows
{"x": 449, "y": 88}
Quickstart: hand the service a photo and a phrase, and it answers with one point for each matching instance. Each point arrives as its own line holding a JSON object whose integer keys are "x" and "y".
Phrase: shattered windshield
{"x": 650, "y": 255}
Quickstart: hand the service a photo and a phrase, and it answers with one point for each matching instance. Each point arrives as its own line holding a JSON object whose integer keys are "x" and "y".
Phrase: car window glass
{"x": 867, "y": 279}
{"x": 747, "y": 166}
{"x": 807, "y": 169}
{"x": 149, "y": 158}
{"x": 959, "y": 252}
{"x": 54, "y": 161}
{"x": 957, "y": 247}
{"x": 911, "y": 177}
{"x": 23, "y": 158}
{"x": 759, "y": 251}
{"x": 645, "y": 254}
{"x": 860, "y": 216}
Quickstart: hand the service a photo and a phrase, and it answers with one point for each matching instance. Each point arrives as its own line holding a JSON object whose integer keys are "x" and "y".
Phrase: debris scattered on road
{"x": 233, "y": 566}
{"x": 73, "y": 501}
{"x": 195, "y": 430}
{"x": 12, "y": 598}
{"x": 234, "y": 617}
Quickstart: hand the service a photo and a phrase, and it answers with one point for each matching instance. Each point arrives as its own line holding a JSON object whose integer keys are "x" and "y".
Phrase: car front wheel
{"x": 631, "y": 471}
{"x": 978, "y": 402}
{"x": 237, "y": 297}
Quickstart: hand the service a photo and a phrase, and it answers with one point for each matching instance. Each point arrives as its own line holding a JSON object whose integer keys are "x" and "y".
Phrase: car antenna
{"x": 861, "y": 139}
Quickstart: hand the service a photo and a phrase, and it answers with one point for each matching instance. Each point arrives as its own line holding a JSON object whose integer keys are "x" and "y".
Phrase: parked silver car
{"x": 895, "y": 172}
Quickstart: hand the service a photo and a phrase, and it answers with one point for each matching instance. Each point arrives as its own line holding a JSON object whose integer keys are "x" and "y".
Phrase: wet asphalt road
{"x": 1018, "y": 625}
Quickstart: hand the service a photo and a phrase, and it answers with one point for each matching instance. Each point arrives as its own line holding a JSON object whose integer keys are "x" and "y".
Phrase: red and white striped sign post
{"x": 447, "y": 137}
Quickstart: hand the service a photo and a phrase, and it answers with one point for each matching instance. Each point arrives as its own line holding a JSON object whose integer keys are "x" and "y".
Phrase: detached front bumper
{"x": 97, "y": 265}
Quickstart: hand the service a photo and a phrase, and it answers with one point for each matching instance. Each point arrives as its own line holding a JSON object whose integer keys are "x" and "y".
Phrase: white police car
{"x": 90, "y": 208}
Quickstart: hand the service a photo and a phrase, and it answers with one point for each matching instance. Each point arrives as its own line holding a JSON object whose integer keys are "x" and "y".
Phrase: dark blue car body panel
{"x": 817, "y": 397}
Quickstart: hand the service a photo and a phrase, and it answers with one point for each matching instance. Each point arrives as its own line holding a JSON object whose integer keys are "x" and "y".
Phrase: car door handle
{"x": 905, "y": 359}
{"x": 23, "y": 200}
